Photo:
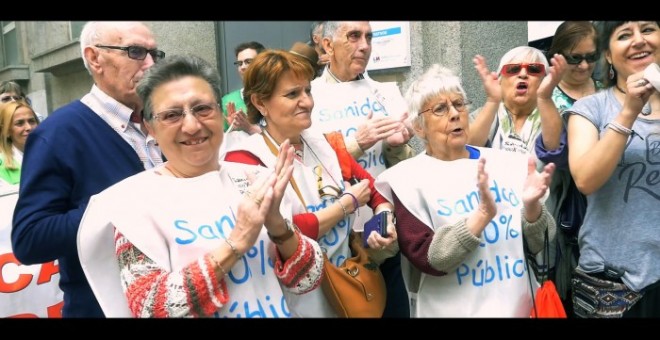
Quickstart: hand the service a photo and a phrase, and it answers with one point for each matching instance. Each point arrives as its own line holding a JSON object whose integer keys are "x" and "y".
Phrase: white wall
{"x": 541, "y": 29}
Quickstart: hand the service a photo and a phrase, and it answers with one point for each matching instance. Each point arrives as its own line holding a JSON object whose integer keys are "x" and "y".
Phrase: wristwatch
{"x": 287, "y": 234}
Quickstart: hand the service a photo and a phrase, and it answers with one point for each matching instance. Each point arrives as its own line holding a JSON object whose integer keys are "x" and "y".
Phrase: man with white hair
{"x": 81, "y": 149}
{"x": 374, "y": 134}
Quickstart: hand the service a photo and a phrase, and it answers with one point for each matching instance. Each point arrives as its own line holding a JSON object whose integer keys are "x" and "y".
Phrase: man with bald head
{"x": 81, "y": 149}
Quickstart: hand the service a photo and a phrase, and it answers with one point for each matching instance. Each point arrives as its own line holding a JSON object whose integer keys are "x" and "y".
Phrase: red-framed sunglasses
{"x": 534, "y": 69}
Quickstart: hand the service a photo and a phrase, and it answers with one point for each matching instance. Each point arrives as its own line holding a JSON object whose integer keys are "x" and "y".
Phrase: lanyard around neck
{"x": 275, "y": 152}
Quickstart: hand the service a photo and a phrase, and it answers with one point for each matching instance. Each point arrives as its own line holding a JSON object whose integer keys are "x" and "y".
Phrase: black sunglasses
{"x": 137, "y": 52}
{"x": 576, "y": 59}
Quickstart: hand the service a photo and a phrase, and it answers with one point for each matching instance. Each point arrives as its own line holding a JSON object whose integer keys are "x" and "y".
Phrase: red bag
{"x": 547, "y": 302}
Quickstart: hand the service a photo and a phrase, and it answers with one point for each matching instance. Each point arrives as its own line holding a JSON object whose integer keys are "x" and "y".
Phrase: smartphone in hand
{"x": 377, "y": 223}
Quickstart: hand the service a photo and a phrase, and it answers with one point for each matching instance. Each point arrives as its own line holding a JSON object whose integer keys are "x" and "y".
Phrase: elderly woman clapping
{"x": 519, "y": 102}
{"x": 461, "y": 235}
{"x": 195, "y": 237}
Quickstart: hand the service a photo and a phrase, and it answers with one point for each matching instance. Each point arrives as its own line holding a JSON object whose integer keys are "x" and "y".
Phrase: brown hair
{"x": 265, "y": 70}
{"x": 569, "y": 34}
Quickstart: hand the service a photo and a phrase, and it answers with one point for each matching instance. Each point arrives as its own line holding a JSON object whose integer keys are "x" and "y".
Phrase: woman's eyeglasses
{"x": 440, "y": 110}
{"x": 576, "y": 59}
{"x": 175, "y": 116}
{"x": 534, "y": 69}
{"x": 137, "y": 52}
{"x": 328, "y": 190}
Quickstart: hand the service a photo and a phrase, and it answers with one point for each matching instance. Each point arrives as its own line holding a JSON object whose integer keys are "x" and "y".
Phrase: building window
{"x": 9, "y": 43}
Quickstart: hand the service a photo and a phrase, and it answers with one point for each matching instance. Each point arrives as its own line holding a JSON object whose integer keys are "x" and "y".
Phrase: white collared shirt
{"x": 118, "y": 115}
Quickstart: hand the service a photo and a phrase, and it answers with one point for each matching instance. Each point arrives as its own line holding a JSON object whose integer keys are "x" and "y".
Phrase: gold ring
{"x": 258, "y": 200}
{"x": 641, "y": 82}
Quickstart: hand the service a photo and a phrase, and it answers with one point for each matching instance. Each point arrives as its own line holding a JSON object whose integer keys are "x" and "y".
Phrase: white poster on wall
{"x": 390, "y": 47}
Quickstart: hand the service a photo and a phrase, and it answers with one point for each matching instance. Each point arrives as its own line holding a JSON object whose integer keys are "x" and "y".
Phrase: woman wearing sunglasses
{"x": 518, "y": 105}
{"x": 461, "y": 234}
{"x": 612, "y": 138}
{"x": 278, "y": 86}
{"x": 577, "y": 42}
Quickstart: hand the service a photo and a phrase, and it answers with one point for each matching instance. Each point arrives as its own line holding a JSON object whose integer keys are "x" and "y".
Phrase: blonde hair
{"x": 7, "y": 111}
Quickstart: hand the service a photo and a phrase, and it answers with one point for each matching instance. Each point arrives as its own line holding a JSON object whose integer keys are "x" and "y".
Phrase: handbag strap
{"x": 273, "y": 149}
{"x": 546, "y": 246}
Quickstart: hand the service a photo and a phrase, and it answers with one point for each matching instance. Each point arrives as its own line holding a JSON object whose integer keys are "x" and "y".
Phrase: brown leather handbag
{"x": 356, "y": 289}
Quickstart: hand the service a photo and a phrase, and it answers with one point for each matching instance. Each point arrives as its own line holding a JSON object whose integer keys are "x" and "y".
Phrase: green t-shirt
{"x": 12, "y": 176}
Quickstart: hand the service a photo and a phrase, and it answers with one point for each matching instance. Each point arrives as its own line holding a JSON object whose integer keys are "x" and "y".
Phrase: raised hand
{"x": 373, "y": 130}
{"x": 489, "y": 80}
{"x": 480, "y": 217}
{"x": 487, "y": 205}
{"x": 241, "y": 123}
{"x": 283, "y": 172}
{"x": 252, "y": 210}
{"x": 638, "y": 92}
{"x": 403, "y": 134}
{"x": 231, "y": 111}
{"x": 553, "y": 76}
{"x": 537, "y": 183}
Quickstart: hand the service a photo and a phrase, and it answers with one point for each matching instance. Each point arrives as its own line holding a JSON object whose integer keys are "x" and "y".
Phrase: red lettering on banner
{"x": 55, "y": 311}
{"x": 47, "y": 271}
{"x": 24, "y": 316}
{"x": 21, "y": 282}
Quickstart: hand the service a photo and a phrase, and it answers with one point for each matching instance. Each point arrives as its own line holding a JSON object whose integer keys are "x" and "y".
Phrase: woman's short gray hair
{"x": 527, "y": 53}
{"x": 434, "y": 81}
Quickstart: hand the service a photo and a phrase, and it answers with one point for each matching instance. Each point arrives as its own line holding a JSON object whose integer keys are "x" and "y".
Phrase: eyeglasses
{"x": 440, "y": 110}
{"x": 334, "y": 191}
{"x": 137, "y": 52}
{"x": 31, "y": 121}
{"x": 9, "y": 98}
{"x": 355, "y": 36}
{"x": 239, "y": 63}
{"x": 576, "y": 59}
{"x": 174, "y": 116}
{"x": 534, "y": 69}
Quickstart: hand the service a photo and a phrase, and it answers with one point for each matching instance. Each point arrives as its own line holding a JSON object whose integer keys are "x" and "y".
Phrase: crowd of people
{"x": 231, "y": 205}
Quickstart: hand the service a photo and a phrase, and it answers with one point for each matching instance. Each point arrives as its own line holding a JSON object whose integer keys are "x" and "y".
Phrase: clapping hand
{"x": 373, "y": 130}
{"x": 487, "y": 206}
{"x": 552, "y": 77}
{"x": 283, "y": 172}
{"x": 252, "y": 210}
{"x": 489, "y": 79}
{"x": 403, "y": 134}
{"x": 537, "y": 183}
